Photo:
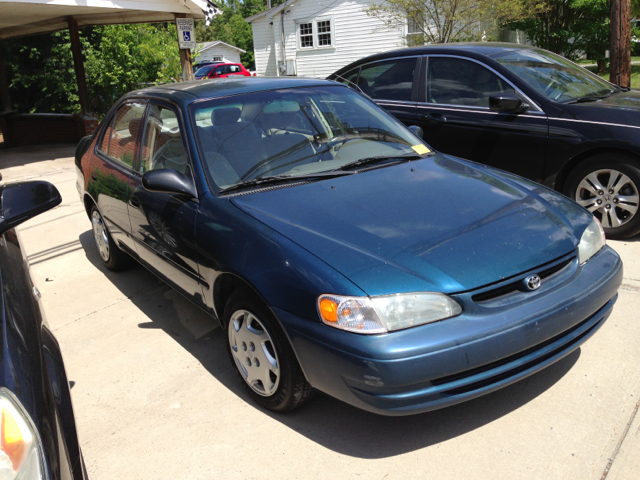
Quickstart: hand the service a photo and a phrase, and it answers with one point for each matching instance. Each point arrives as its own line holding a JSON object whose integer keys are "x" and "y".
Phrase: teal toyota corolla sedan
{"x": 337, "y": 250}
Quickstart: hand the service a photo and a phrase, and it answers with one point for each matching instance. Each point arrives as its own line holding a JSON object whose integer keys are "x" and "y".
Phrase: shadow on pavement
{"x": 17, "y": 156}
{"x": 325, "y": 420}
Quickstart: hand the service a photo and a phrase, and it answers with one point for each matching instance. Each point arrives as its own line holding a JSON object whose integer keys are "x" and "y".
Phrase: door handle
{"x": 434, "y": 118}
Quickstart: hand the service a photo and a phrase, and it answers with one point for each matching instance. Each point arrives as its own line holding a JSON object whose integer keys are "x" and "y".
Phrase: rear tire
{"x": 261, "y": 354}
{"x": 608, "y": 185}
{"x": 112, "y": 257}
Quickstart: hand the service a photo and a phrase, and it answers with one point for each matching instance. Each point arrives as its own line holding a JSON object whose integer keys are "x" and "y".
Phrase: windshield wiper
{"x": 377, "y": 159}
{"x": 592, "y": 98}
{"x": 282, "y": 179}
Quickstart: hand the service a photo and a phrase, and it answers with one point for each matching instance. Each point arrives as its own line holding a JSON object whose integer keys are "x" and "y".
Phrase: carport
{"x": 19, "y": 18}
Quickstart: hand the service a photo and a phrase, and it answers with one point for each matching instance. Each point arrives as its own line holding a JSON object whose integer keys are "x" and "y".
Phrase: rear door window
{"x": 391, "y": 80}
{"x": 124, "y": 133}
{"x": 234, "y": 69}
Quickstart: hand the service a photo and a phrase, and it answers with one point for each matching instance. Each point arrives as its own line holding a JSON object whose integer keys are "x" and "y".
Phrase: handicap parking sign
{"x": 186, "y": 33}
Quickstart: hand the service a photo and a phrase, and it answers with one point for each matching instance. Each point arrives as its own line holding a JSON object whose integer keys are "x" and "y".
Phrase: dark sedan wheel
{"x": 112, "y": 257}
{"x": 261, "y": 354}
{"x": 608, "y": 185}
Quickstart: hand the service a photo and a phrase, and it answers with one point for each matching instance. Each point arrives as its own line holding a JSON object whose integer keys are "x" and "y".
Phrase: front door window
{"x": 162, "y": 145}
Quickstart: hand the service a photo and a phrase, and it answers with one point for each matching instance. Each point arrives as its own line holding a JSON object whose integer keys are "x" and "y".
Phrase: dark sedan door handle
{"x": 434, "y": 118}
{"x": 134, "y": 202}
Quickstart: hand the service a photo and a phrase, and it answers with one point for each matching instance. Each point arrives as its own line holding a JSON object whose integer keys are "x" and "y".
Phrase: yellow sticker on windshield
{"x": 420, "y": 149}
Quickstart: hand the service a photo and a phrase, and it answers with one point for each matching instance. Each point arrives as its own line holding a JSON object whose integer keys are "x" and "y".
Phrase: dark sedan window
{"x": 124, "y": 133}
{"x": 454, "y": 81}
{"x": 553, "y": 76}
{"x": 162, "y": 145}
{"x": 391, "y": 80}
{"x": 350, "y": 78}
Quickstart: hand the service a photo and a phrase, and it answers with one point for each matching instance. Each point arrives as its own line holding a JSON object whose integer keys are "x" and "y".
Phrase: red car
{"x": 228, "y": 69}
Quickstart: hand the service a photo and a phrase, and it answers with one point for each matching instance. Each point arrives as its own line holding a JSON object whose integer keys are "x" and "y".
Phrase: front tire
{"x": 261, "y": 354}
{"x": 608, "y": 185}
{"x": 112, "y": 257}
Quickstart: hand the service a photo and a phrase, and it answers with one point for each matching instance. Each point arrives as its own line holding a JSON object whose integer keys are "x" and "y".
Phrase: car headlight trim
{"x": 21, "y": 451}
{"x": 385, "y": 313}
{"x": 592, "y": 240}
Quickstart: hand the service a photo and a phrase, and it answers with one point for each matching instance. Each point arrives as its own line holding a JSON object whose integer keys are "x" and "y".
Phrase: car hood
{"x": 438, "y": 224}
{"x": 621, "y": 108}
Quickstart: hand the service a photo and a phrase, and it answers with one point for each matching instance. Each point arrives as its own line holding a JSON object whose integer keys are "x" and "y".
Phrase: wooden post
{"x": 5, "y": 100}
{"x": 185, "y": 57}
{"x": 78, "y": 63}
{"x": 621, "y": 42}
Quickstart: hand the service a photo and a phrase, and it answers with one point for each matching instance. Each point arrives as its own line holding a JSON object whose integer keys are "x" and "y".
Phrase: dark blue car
{"x": 338, "y": 251}
{"x": 38, "y": 438}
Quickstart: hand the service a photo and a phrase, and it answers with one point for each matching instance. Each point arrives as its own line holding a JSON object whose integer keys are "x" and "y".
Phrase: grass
{"x": 635, "y": 76}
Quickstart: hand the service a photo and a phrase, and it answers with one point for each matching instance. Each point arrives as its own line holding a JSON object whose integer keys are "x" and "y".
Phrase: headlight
{"x": 591, "y": 242}
{"x": 21, "y": 456}
{"x": 385, "y": 313}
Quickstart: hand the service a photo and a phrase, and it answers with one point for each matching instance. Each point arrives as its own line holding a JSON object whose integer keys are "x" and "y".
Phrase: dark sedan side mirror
{"x": 22, "y": 201}
{"x": 168, "y": 180}
{"x": 507, "y": 102}
{"x": 416, "y": 130}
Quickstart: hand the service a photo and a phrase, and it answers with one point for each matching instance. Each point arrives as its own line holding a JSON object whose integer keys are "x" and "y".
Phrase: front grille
{"x": 513, "y": 358}
{"x": 512, "y": 287}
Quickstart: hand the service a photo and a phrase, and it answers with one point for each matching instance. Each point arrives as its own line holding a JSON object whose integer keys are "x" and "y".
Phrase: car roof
{"x": 187, "y": 92}
{"x": 466, "y": 48}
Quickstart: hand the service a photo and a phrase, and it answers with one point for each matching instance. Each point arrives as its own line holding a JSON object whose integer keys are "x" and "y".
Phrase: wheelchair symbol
{"x": 186, "y": 36}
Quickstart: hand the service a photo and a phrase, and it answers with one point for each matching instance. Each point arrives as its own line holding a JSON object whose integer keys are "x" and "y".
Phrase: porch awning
{"x": 20, "y": 18}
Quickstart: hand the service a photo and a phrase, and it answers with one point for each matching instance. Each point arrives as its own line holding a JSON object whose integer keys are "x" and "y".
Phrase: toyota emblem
{"x": 532, "y": 282}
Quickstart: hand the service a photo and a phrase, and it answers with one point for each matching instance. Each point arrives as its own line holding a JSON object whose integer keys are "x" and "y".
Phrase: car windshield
{"x": 294, "y": 132}
{"x": 205, "y": 70}
{"x": 553, "y": 76}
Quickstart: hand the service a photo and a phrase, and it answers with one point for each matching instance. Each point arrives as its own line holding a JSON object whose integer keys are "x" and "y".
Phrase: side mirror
{"x": 168, "y": 180}
{"x": 416, "y": 130}
{"x": 507, "y": 102}
{"x": 22, "y": 201}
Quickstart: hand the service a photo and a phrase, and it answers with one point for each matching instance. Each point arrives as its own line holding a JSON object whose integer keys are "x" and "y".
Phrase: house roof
{"x": 269, "y": 13}
{"x": 207, "y": 45}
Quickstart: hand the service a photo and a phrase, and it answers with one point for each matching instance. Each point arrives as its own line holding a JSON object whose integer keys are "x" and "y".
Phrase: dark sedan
{"x": 38, "y": 436}
{"x": 522, "y": 109}
{"x": 336, "y": 249}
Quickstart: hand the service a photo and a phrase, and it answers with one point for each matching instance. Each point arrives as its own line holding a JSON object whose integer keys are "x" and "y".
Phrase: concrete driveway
{"x": 155, "y": 395}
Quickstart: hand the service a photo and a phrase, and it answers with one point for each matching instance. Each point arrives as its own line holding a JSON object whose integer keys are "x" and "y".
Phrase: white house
{"x": 218, "y": 51}
{"x": 313, "y": 38}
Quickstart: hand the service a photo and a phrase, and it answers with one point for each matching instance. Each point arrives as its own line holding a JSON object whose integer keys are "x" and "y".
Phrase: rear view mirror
{"x": 22, "y": 201}
{"x": 507, "y": 102}
{"x": 416, "y": 130}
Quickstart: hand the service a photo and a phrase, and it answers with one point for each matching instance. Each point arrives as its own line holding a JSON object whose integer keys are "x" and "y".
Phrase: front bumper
{"x": 492, "y": 344}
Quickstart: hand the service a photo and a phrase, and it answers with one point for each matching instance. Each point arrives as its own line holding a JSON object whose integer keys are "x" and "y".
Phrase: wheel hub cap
{"x": 610, "y": 195}
{"x": 254, "y": 353}
{"x": 100, "y": 236}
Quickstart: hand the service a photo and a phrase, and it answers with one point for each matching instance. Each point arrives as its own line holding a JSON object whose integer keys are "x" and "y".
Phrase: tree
{"x": 571, "y": 28}
{"x": 443, "y": 21}
{"x": 230, "y": 27}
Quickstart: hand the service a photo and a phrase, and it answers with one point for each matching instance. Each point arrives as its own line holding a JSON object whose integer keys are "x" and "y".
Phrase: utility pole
{"x": 621, "y": 42}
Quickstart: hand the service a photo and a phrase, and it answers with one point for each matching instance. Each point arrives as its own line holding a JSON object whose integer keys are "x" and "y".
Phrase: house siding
{"x": 228, "y": 55}
{"x": 264, "y": 48}
{"x": 356, "y": 35}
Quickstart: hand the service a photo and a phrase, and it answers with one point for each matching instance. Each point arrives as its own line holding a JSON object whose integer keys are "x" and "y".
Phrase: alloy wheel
{"x": 610, "y": 195}
{"x": 254, "y": 353}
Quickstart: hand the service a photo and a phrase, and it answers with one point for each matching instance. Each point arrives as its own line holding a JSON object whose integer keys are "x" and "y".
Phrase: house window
{"x": 216, "y": 59}
{"x": 413, "y": 26}
{"x": 324, "y": 33}
{"x": 306, "y": 35}
{"x": 316, "y": 34}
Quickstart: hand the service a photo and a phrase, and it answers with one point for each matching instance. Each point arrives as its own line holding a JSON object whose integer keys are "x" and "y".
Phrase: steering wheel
{"x": 170, "y": 155}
